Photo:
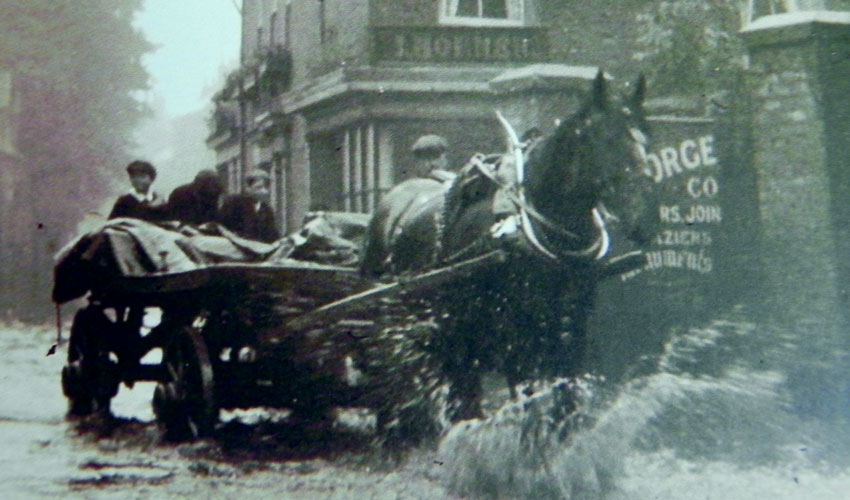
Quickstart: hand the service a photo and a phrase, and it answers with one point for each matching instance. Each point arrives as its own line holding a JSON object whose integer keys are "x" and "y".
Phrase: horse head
{"x": 587, "y": 173}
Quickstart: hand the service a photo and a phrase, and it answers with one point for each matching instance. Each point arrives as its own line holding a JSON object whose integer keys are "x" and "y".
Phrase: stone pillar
{"x": 800, "y": 96}
{"x": 299, "y": 179}
{"x": 800, "y": 64}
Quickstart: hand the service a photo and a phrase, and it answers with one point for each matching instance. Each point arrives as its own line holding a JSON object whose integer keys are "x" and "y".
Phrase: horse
{"x": 525, "y": 317}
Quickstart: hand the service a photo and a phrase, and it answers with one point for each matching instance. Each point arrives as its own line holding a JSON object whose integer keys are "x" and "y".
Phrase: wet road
{"x": 44, "y": 455}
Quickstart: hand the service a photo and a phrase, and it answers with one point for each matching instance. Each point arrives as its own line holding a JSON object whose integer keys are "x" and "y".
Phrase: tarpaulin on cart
{"x": 127, "y": 247}
{"x": 333, "y": 238}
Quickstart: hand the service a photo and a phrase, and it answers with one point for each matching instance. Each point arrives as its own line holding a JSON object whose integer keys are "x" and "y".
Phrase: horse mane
{"x": 559, "y": 147}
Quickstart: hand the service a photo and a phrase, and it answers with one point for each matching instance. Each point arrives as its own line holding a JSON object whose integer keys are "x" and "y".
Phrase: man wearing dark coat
{"x": 197, "y": 202}
{"x": 141, "y": 202}
{"x": 249, "y": 214}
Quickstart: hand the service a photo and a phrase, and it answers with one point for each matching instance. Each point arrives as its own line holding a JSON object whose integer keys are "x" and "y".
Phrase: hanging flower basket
{"x": 276, "y": 71}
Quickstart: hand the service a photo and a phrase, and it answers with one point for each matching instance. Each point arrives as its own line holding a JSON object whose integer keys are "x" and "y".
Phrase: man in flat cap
{"x": 141, "y": 202}
{"x": 197, "y": 202}
{"x": 249, "y": 214}
{"x": 430, "y": 152}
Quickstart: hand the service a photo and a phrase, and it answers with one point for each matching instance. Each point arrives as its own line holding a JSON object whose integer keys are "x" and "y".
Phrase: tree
{"x": 77, "y": 65}
{"x": 692, "y": 45}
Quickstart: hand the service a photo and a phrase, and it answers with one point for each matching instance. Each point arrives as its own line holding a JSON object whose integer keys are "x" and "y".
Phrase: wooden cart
{"x": 298, "y": 335}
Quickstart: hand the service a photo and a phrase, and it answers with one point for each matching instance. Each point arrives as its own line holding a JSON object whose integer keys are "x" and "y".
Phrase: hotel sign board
{"x": 459, "y": 44}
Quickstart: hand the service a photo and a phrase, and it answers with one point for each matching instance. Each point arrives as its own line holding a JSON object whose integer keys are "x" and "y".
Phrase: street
{"x": 46, "y": 455}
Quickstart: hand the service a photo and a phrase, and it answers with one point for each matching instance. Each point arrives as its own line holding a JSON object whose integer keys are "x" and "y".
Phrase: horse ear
{"x": 599, "y": 94}
{"x": 640, "y": 92}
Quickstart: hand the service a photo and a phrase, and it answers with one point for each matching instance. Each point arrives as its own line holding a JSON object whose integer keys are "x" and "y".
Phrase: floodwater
{"x": 43, "y": 455}
{"x": 721, "y": 413}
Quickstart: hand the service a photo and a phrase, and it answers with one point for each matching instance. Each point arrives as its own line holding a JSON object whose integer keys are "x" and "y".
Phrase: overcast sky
{"x": 195, "y": 40}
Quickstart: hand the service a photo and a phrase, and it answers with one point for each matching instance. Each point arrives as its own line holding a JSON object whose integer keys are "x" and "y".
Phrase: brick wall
{"x": 318, "y": 46}
{"x": 799, "y": 150}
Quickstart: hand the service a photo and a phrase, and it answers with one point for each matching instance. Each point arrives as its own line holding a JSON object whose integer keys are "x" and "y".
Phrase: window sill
{"x": 480, "y": 22}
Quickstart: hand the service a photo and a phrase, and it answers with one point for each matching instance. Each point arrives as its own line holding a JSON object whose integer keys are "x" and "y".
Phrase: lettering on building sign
{"x": 689, "y": 260}
{"x": 693, "y": 214}
{"x": 458, "y": 44}
{"x": 690, "y": 155}
{"x": 690, "y": 213}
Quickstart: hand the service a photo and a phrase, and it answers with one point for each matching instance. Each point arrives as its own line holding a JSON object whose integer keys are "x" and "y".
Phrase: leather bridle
{"x": 528, "y": 216}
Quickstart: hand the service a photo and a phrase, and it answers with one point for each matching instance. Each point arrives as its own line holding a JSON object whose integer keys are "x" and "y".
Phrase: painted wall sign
{"x": 686, "y": 172}
{"x": 459, "y": 44}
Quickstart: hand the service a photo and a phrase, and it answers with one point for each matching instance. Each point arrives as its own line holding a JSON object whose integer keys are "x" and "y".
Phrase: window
{"x": 322, "y": 21}
{"x": 757, "y": 8}
{"x": 287, "y": 25}
{"x": 5, "y": 89}
{"x": 482, "y": 12}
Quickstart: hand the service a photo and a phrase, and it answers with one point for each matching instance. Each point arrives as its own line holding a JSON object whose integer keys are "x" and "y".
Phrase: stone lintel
{"x": 676, "y": 105}
{"x": 796, "y": 27}
{"x": 387, "y": 82}
{"x": 544, "y": 77}
{"x": 220, "y": 140}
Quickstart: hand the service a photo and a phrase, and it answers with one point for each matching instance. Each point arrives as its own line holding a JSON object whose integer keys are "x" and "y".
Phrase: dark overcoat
{"x": 130, "y": 206}
{"x": 249, "y": 218}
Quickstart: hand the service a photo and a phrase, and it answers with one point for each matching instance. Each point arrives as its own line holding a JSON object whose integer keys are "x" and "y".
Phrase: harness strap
{"x": 598, "y": 249}
{"x": 517, "y": 196}
{"x": 471, "y": 248}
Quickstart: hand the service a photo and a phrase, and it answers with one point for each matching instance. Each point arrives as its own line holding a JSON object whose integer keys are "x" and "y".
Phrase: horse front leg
{"x": 543, "y": 331}
{"x": 465, "y": 394}
{"x": 460, "y": 347}
{"x": 576, "y": 306}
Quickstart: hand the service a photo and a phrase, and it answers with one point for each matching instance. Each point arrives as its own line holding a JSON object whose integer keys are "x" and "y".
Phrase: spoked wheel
{"x": 184, "y": 400}
{"x": 410, "y": 401}
{"x": 90, "y": 379}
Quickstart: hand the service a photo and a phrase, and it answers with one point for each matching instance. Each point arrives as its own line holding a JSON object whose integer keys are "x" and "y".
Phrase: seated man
{"x": 141, "y": 202}
{"x": 249, "y": 214}
{"x": 430, "y": 152}
{"x": 197, "y": 202}
{"x": 403, "y": 233}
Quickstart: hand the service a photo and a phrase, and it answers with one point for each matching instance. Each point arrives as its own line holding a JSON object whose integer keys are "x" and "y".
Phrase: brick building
{"x": 16, "y": 237}
{"x": 331, "y": 94}
{"x": 9, "y": 166}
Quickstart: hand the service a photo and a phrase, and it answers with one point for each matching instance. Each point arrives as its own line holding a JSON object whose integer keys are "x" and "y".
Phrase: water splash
{"x": 713, "y": 415}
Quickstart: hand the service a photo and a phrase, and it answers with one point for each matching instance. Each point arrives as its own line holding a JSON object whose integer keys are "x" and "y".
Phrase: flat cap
{"x": 208, "y": 184}
{"x": 141, "y": 167}
{"x": 257, "y": 174}
{"x": 430, "y": 143}
{"x": 206, "y": 175}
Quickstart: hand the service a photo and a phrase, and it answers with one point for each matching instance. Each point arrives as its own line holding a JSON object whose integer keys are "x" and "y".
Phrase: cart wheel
{"x": 90, "y": 379}
{"x": 410, "y": 407}
{"x": 184, "y": 400}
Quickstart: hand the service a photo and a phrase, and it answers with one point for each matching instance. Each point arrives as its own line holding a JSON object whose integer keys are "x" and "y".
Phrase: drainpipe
{"x": 243, "y": 106}
{"x": 243, "y": 129}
